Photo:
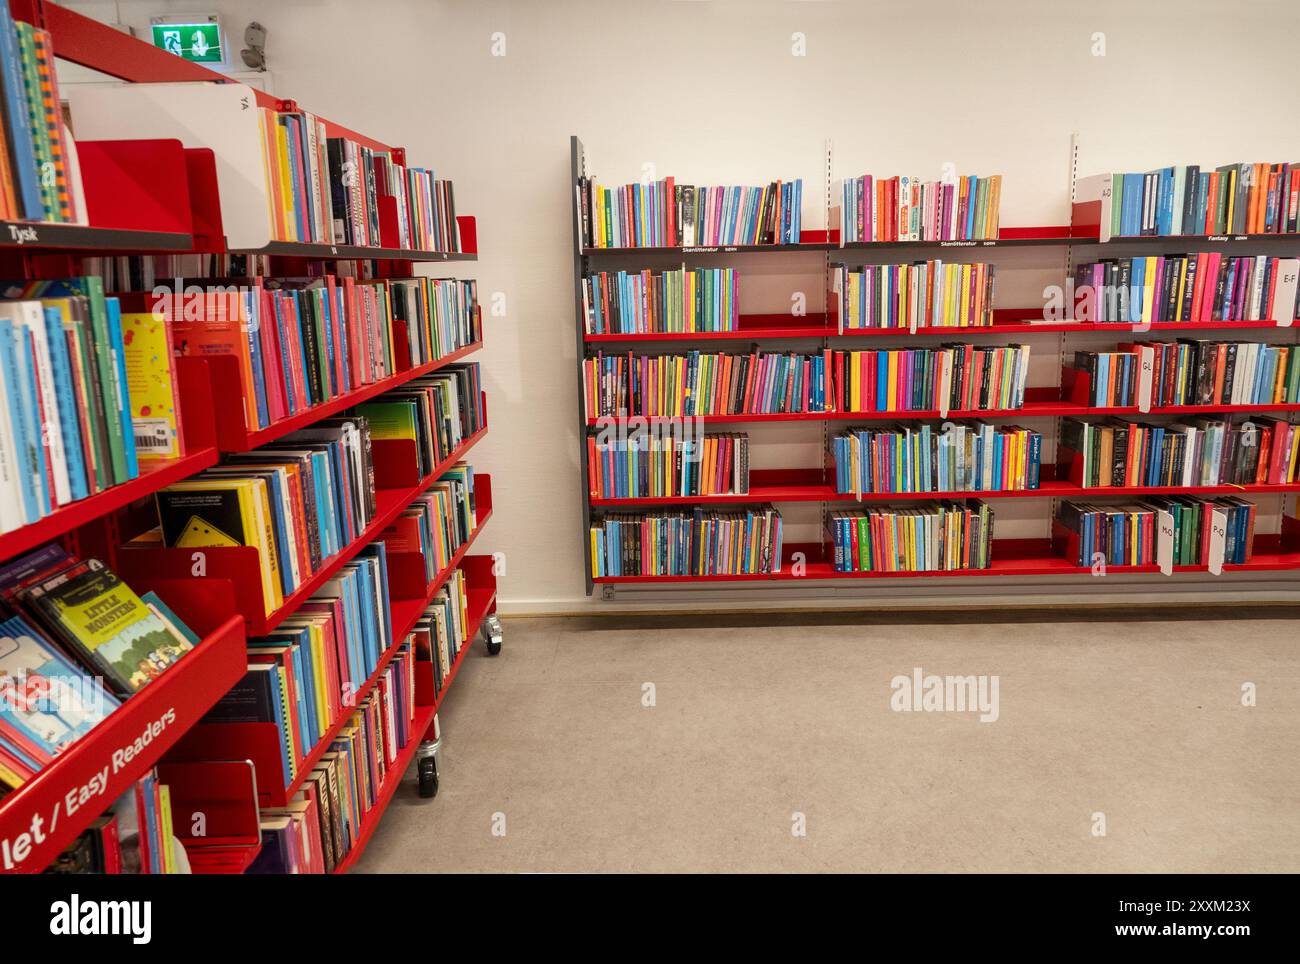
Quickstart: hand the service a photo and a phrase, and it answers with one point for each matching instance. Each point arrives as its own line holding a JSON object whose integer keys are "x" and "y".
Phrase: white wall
{"x": 711, "y": 92}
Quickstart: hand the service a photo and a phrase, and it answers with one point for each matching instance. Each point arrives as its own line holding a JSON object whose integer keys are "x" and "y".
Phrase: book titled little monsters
{"x": 99, "y": 617}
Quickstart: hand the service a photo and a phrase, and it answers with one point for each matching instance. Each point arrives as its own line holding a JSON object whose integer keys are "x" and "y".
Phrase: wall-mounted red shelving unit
{"x": 1068, "y": 397}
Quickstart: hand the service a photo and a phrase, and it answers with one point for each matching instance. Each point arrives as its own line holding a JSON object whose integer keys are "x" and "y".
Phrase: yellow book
{"x": 316, "y": 636}
{"x": 595, "y": 552}
{"x": 1149, "y": 290}
{"x": 892, "y": 384}
{"x": 286, "y": 180}
{"x": 855, "y": 381}
{"x": 191, "y": 515}
{"x": 147, "y": 354}
{"x": 962, "y": 309}
{"x": 165, "y": 831}
{"x": 991, "y": 212}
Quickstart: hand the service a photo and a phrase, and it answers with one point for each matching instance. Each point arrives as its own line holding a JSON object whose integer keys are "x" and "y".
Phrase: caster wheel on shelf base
{"x": 492, "y": 634}
{"x": 427, "y": 767}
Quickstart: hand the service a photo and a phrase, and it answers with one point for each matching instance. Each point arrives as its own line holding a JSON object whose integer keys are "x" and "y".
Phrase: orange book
{"x": 212, "y": 324}
{"x": 1220, "y": 370}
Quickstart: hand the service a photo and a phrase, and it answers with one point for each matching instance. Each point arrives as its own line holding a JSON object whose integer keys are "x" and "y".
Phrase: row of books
{"x": 301, "y": 342}
{"x": 438, "y": 522}
{"x": 645, "y": 302}
{"x": 1201, "y": 287}
{"x": 1191, "y": 372}
{"x": 1126, "y": 534}
{"x": 68, "y": 427}
{"x": 300, "y": 676}
{"x": 1203, "y": 451}
{"x": 1231, "y": 199}
{"x": 925, "y": 294}
{"x": 437, "y": 412}
{"x": 914, "y": 457}
{"x": 76, "y": 643}
{"x": 331, "y": 190}
{"x": 963, "y": 208}
{"x": 443, "y": 630}
{"x": 322, "y": 822}
{"x": 960, "y": 377}
{"x": 299, "y": 502}
{"x": 663, "y": 465}
{"x": 742, "y": 542}
{"x": 40, "y": 179}
{"x": 134, "y": 836}
{"x": 664, "y": 213}
{"x": 705, "y": 383}
{"x": 929, "y": 537}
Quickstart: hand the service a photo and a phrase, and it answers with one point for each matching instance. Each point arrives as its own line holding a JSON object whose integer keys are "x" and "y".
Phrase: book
{"x": 926, "y": 294}
{"x": 89, "y": 610}
{"x": 706, "y": 383}
{"x": 664, "y": 464}
{"x": 1192, "y": 288}
{"x": 664, "y": 213}
{"x": 152, "y": 387}
{"x": 953, "y": 377}
{"x": 47, "y": 702}
{"x": 918, "y": 457}
{"x": 746, "y": 541}
{"x": 1231, "y": 199}
{"x": 920, "y": 537}
{"x": 644, "y": 302}
{"x": 903, "y": 208}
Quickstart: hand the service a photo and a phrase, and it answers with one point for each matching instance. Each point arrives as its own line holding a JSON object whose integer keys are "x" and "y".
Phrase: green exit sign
{"x": 197, "y": 42}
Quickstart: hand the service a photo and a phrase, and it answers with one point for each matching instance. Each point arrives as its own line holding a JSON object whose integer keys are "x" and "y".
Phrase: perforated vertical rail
{"x": 578, "y": 170}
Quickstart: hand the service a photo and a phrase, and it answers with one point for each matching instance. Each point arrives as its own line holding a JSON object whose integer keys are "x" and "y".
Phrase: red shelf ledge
{"x": 806, "y": 485}
{"x": 153, "y": 476}
{"x": 1010, "y": 557}
{"x": 231, "y": 440}
{"x": 163, "y": 711}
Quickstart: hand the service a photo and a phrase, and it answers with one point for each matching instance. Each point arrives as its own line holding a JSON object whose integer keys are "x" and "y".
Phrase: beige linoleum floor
{"x": 755, "y": 724}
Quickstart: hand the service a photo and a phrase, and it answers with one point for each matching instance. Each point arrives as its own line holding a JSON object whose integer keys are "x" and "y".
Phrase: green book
{"x": 110, "y": 373}
{"x": 101, "y": 619}
{"x": 1116, "y": 204}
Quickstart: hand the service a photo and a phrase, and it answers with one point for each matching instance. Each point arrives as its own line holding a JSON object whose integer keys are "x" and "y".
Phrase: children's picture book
{"x": 101, "y": 619}
{"x": 146, "y": 341}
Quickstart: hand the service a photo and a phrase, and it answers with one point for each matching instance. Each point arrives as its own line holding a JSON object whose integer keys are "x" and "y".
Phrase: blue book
{"x": 324, "y": 503}
{"x": 26, "y": 364}
{"x": 118, "y": 351}
{"x": 18, "y": 121}
{"x": 1165, "y": 211}
{"x": 148, "y": 790}
{"x": 1035, "y": 460}
{"x": 71, "y": 704}
{"x": 1103, "y": 379}
{"x": 1138, "y": 277}
{"x": 1131, "y": 205}
{"x": 64, "y": 391}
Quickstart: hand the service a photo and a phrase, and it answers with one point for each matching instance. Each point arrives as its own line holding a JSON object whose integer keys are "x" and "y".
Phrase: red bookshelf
{"x": 1044, "y": 405}
{"x": 155, "y": 196}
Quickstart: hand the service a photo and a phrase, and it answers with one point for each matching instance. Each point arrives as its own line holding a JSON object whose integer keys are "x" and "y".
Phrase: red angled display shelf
{"x": 153, "y": 197}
